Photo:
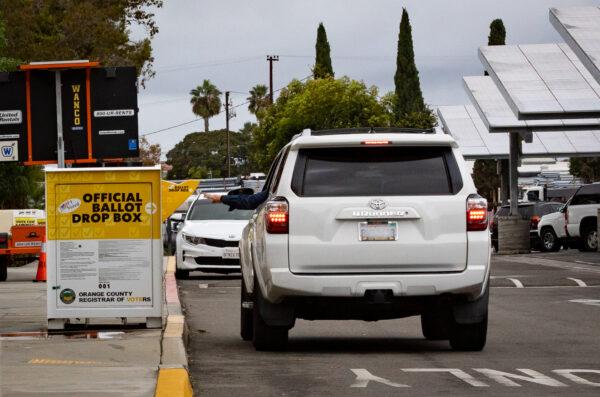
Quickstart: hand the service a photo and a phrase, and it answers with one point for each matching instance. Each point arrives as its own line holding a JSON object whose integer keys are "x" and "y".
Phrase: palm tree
{"x": 258, "y": 99}
{"x": 206, "y": 101}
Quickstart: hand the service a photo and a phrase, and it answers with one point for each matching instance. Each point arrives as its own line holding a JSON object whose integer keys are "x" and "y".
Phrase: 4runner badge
{"x": 377, "y": 204}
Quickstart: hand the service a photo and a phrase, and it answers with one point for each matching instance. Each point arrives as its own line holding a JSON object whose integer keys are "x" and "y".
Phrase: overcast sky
{"x": 227, "y": 41}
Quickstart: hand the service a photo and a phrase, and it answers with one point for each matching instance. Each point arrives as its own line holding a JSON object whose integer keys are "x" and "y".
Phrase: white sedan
{"x": 208, "y": 238}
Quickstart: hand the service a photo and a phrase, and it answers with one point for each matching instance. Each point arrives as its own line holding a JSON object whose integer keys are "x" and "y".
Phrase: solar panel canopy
{"x": 476, "y": 142}
{"x": 580, "y": 28}
{"x": 497, "y": 115}
{"x": 542, "y": 81}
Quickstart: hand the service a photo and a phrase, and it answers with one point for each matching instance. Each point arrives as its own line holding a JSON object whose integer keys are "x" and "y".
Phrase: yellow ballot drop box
{"x": 104, "y": 247}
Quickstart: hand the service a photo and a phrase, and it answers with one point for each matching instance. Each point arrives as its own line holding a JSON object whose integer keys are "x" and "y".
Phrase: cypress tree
{"x": 408, "y": 88}
{"x": 497, "y": 33}
{"x": 323, "y": 66}
{"x": 485, "y": 173}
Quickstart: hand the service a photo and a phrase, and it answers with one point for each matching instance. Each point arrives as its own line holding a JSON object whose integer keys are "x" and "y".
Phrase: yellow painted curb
{"x": 173, "y": 382}
{"x": 171, "y": 264}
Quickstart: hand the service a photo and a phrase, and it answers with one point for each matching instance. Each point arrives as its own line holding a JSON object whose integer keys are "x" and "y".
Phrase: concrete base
{"x": 513, "y": 235}
{"x": 153, "y": 322}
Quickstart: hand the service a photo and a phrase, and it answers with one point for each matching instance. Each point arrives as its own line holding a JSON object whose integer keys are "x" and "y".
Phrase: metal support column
{"x": 60, "y": 143}
{"x": 514, "y": 173}
{"x": 503, "y": 172}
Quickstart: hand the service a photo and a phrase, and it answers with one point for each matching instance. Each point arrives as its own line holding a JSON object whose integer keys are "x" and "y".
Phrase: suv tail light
{"x": 277, "y": 216}
{"x": 534, "y": 221}
{"x": 477, "y": 213}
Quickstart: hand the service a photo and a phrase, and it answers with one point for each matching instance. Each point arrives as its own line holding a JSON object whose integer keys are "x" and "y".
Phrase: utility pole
{"x": 271, "y": 59}
{"x": 227, "y": 132}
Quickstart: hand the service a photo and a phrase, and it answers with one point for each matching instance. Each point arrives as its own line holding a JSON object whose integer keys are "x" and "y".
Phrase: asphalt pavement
{"x": 543, "y": 339}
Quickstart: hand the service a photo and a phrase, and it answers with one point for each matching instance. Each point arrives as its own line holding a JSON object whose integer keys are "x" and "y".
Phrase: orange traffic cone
{"x": 41, "y": 270}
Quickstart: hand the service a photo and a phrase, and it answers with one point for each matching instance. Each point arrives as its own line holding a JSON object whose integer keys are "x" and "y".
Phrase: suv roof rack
{"x": 373, "y": 130}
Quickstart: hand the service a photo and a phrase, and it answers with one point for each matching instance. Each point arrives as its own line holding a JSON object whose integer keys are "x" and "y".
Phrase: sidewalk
{"x": 114, "y": 361}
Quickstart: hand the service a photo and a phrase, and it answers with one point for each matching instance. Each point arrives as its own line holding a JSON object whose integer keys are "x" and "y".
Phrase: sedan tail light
{"x": 277, "y": 216}
{"x": 477, "y": 213}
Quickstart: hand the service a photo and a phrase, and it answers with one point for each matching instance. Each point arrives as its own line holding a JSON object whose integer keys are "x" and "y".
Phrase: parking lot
{"x": 544, "y": 311}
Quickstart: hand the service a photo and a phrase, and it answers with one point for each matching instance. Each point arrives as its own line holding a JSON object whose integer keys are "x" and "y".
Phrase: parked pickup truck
{"x": 581, "y": 217}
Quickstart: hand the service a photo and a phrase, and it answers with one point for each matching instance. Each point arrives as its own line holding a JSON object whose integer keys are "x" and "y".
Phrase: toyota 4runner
{"x": 368, "y": 224}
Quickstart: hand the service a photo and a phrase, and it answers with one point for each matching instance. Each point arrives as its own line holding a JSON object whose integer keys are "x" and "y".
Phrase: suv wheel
{"x": 435, "y": 325}
{"x": 469, "y": 337}
{"x": 246, "y": 323}
{"x": 266, "y": 337}
{"x": 3, "y": 268}
{"x": 549, "y": 240}
{"x": 181, "y": 274}
{"x": 589, "y": 239}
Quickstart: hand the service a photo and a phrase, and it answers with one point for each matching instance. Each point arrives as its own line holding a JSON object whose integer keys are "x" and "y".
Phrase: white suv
{"x": 368, "y": 224}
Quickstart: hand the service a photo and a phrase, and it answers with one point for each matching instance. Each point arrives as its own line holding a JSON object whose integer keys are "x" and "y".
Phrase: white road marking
{"x": 591, "y": 302}
{"x": 504, "y": 378}
{"x": 587, "y": 263}
{"x": 459, "y": 373}
{"x": 568, "y": 373}
{"x": 202, "y": 286}
{"x": 363, "y": 377}
{"x": 577, "y": 281}
{"x": 516, "y": 282}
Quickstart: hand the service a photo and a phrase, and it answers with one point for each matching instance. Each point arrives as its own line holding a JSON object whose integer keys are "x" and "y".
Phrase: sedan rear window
{"x": 381, "y": 171}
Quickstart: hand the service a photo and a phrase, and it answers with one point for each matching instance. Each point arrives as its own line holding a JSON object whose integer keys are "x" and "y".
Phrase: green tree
{"x": 206, "y": 101}
{"x": 497, "y": 33}
{"x": 203, "y": 155}
{"x": 149, "y": 153}
{"x": 258, "y": 100}
{"x": 81, "y": 29}
{"x": 406, "y": 79}
{"x": 485, "y": 172}
{"x": 322, "y": 68}
{"x": 20, "y": 187}
{"x": 586, "y": 168}
{"x": 316, "y": 104}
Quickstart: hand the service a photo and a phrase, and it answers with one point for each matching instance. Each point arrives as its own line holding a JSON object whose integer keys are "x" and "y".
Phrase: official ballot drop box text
{"x": 104, "y": 248}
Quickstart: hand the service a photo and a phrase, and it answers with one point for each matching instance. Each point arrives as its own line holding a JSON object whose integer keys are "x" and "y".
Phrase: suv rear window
{"x": 381, "y": 171}
{"x": 587, "y": 194}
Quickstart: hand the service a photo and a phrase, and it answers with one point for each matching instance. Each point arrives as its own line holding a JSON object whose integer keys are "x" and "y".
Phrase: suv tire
{"x": 549, "y": 241}
{"x": 3, "y": 268}
{"x": 181, "y": 274}
{"x": 589, "y": 239}
{"x": 246, "y": 320}
{"x": 264, "y": 336}
{"x": 435, "y": 325}
{"x": 469, "y": 337}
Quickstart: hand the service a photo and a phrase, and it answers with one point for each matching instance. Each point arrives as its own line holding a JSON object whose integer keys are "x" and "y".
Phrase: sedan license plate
{"x": 378, "y": 231}
{"x": 231, "y": 253}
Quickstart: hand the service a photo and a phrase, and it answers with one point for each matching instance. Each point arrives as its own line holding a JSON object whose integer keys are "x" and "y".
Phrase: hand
{"x": 215, "y": 198}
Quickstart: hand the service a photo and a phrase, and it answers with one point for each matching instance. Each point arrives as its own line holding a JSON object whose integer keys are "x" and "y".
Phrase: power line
{"x": 198, "y": 119}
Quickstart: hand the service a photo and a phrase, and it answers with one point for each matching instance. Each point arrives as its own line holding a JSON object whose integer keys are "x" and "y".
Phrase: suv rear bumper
{"x": 283, "y": 283}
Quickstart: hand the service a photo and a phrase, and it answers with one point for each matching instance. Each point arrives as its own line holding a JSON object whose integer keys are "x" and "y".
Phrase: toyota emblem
{"x": 377, "y": 204}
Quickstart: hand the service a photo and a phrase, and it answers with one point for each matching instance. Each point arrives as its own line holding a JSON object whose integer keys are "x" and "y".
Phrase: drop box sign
{"x": 104, "y": 242}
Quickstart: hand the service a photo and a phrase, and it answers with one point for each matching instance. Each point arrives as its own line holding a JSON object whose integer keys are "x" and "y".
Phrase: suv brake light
{"x": 477, "y": 213}
{"x": 376, "y": 143}
{"x": 277, "y": 216}
{"x": 534, "y": 221}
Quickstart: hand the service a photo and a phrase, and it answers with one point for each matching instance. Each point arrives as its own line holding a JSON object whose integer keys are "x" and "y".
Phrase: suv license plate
{"x": 231, "y": 253}
{"x": 378, "y": 231}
